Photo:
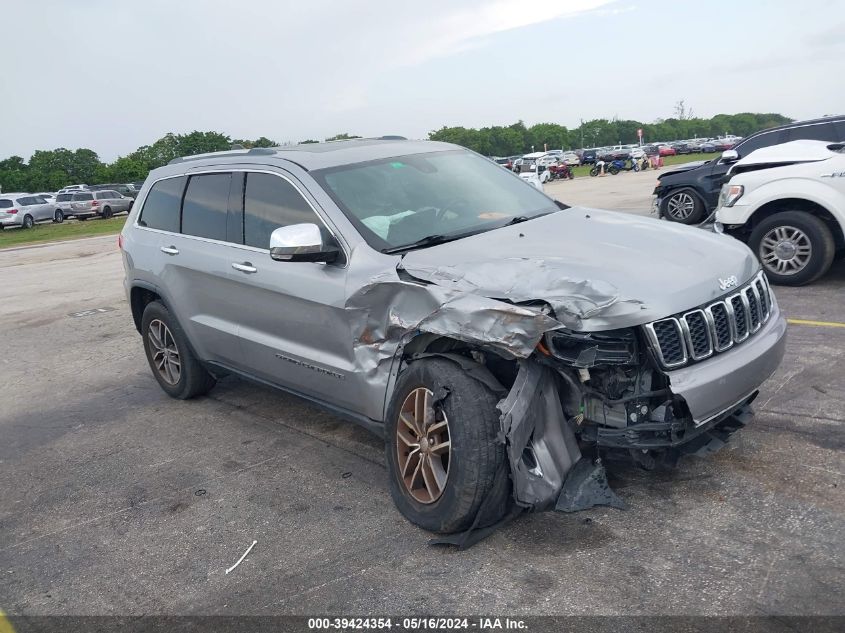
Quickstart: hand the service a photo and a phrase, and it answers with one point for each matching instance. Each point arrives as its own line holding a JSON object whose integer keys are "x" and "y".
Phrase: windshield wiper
{"x": 428, "y": 240}
{"x": 523, "y": 218}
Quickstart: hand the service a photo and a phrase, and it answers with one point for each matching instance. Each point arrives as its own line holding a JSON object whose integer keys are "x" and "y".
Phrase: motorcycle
{"x": 610, "y": 168}
{"x": 560, "y": 171}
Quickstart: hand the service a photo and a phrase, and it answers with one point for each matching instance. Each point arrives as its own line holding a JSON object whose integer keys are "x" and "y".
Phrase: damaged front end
{"x": 573, "y": 396}
{"x": 586, "y": 395}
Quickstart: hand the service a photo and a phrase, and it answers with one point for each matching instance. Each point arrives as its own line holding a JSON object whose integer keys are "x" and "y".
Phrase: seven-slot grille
{"x": 716, "y": 327}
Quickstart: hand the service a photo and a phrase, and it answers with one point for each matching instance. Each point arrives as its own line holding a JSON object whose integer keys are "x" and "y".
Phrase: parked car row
{"x": 80, "y": 201}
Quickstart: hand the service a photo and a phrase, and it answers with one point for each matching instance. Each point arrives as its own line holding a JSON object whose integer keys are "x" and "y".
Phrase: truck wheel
{"x": 171, "y": 360}
{"x": 442, "y": 455}
{"x": 682, "y": 206}
{"x": 795, "y": 247}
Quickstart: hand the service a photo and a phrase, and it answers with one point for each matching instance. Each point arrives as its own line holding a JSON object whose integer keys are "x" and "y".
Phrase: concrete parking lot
{"x": 115, "y": 499}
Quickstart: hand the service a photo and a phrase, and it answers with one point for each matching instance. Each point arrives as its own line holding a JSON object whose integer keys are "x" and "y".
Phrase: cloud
{"x": 461, "y": 29}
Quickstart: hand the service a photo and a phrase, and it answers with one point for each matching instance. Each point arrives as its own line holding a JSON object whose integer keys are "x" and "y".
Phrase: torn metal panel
{"x": 388, "y": 312}
{"x": 522, "y": 280}
{"x": 540, "y": 442}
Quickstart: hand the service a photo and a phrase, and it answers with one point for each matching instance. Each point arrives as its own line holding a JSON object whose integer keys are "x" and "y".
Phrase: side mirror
{"x": 301, "y": 243}
{"x": 730, "y": 155}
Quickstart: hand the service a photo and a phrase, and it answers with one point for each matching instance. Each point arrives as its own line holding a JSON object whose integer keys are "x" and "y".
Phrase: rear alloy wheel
{"x": 683, "y": 206}
{"x": 58, "y": 216}
{"x": 443, "y": 458}
{"x": 27, "y": 222}
{"x": 795, "y": 247}
{"x": 178, "y": 372}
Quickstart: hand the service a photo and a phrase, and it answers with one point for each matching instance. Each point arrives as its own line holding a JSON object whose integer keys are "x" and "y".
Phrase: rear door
{"x": 197, "y": 268}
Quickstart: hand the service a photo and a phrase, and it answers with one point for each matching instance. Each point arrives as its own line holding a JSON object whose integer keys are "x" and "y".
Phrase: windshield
{"x": 399, "y": 201}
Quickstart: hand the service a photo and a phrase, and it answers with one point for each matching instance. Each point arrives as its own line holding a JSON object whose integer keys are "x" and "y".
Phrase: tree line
{"x": 50, "y": 170}
{"x": 519, "y": 138}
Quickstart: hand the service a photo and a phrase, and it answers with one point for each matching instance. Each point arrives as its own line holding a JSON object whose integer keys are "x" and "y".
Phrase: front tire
{"x": 683, "y": 206}
{"x": 442, "y": 454}
{"x": 174, "y": 366}
{"x": 795, "y": 247}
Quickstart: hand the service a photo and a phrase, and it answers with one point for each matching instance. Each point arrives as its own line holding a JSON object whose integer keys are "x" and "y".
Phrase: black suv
{"x": 689, "y": 192}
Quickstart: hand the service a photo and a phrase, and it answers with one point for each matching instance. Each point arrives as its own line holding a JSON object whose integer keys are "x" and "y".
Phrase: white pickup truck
{"x": 787, "y": 202}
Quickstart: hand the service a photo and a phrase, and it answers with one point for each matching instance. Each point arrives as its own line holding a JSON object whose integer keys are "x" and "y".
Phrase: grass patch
{"x": 49, "y": 232}
{"x": 584, "y": 170}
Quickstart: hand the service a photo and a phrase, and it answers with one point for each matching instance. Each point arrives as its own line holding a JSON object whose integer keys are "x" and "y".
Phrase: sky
{"x": 111, "y": 75}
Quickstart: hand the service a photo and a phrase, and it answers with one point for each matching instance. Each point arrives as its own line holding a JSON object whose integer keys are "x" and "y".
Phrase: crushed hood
{"x": 676, "y": 169}
{"x": 597, "y": 269}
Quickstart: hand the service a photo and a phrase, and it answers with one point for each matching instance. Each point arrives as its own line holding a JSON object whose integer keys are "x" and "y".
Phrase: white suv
{"x": 788, "y": 203}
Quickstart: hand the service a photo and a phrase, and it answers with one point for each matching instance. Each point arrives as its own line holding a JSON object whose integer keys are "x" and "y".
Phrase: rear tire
{"x": 58, "y": 216}
{"x": 168, "y": 352}
{"x": 476, "y": 463}
{"x": 106, "y": 213}
{"x": 27, "y": 222}
{"x": 795, "y": 247}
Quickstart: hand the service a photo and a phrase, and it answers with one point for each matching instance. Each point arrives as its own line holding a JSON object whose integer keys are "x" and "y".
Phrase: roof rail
{"x": 234, "y": 152}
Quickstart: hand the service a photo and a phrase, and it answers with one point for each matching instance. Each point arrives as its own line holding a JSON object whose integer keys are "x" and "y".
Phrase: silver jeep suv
{"x": 490, "y": 334}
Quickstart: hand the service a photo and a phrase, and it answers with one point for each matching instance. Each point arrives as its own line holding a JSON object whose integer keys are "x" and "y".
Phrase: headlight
{"x": 582, "y": 349}
{"x": 730, "y": 194}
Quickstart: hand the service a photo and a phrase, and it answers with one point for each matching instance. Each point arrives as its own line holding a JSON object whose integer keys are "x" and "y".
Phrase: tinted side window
{"x": 820, "y": 132}
{"x": 82, "y": 196}
{"x": 161, "y": 208}
{"x": 102, "y": 195}
{"x": 271, "y": 202}
{"x": 761, "y": 140}
{"x": 64, "y": 197}
{"x": 840, "y": 131}
{"x": 205, "y": 205}
{"x": 6, "y": 204}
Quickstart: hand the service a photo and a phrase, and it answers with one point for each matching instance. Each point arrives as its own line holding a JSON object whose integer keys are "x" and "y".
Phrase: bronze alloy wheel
{"x": 423, "y": 446}
{"x": 165, "y": 354}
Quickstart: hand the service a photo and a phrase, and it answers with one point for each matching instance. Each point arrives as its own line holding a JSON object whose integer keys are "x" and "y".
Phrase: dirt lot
{"x": 115, "y": 499}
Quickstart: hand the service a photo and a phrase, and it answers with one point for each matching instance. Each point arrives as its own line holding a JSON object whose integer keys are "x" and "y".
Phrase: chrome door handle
{"x": 246, "y": 267}
{"x": 170, "y": 250}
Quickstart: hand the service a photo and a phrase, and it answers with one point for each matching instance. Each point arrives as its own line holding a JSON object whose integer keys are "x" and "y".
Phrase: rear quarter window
{"x": 6, "y": 204}
{"x": 161, "y": 208}
{"x": 817, "y": 132}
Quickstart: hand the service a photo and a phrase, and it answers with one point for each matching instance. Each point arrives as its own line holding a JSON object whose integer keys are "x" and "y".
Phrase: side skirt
{"x": 371, "y": 425}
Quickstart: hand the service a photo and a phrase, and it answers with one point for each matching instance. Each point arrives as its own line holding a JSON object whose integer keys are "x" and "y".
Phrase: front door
{"x": 294, "y": 330}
